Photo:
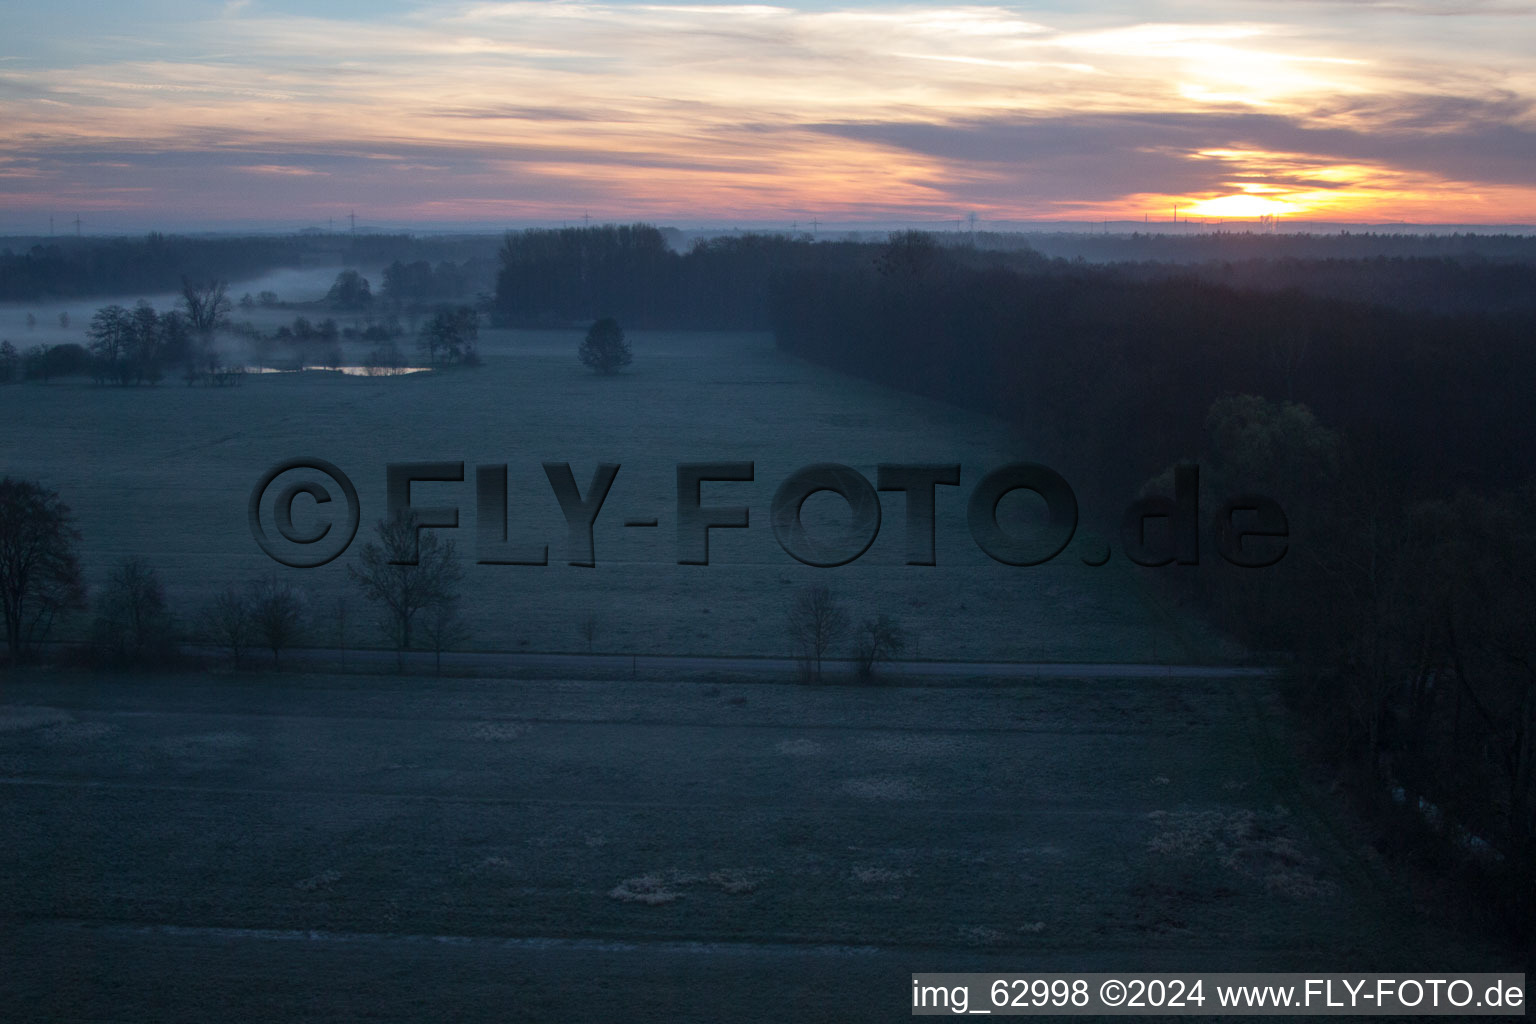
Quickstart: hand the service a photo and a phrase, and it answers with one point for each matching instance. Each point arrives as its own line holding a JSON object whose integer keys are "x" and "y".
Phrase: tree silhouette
{"x": 227, "y": 622}
{"x": 449, "y": 336}
{"x": 878, "y": 638}
{"x": 444, "y": 629}
{"x": 349, "y": 291}
{"x": 207, "y": 305}
{"x": 604, "y": 348}
{"x": 133, "y": 621}
{"x": 39, "y": 571}
{"x": 816, "y": 622}
{"x": 277, "y": 612}
{"x": 405, "y": 576}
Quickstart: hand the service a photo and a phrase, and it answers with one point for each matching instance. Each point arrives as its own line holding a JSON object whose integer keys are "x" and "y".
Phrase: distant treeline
{"x": 36, "y": 269}
{"x": 575, "y": 275}
{"x": 1203, "y": 245}
{"x": 419, "y": 283}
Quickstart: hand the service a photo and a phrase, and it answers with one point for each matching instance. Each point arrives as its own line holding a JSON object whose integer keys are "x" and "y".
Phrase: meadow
{"x": 164, "y": 473}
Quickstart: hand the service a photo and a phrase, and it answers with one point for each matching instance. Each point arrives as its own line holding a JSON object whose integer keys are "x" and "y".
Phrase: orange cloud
{"x": 753, "y": 110}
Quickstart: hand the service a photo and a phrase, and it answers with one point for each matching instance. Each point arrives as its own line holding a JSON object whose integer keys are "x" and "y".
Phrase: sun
{"x": 1243, "y": 205}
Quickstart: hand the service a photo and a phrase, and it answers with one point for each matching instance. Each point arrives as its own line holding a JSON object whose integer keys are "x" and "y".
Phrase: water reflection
{"x": 351, "y": 371}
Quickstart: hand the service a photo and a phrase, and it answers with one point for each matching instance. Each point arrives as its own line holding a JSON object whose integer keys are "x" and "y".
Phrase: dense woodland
{"x": 1400, "y": 443}
{"x": 576, "y": 275}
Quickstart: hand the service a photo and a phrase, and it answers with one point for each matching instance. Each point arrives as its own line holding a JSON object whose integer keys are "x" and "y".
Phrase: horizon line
{"x": 958, "y": 226}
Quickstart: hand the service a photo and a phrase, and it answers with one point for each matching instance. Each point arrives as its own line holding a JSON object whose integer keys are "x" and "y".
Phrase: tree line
{"x": 411, "y": 581}
{"x": 51, "y": 268}
{"x": 566, "y": 276}
{"x": 420, "y": 284}
{"x": 138, "y": 345}
{"x": 132, "y": 346}
{"x": 560, "y": 277}
{"x": 1197, "y": 246}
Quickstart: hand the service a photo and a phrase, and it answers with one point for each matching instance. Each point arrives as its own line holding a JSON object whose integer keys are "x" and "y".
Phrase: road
{"x": 618, "y": 666}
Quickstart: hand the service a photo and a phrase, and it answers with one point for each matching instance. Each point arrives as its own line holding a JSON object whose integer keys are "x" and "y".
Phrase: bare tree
{"x": 111, "y": 334}
{"x": 339, "y": 610}
{"x": 133, "y": 622}
{"x": 587, "y": 628}
{"x": 879, "y": 638}
{"x": 277, "y": 610}
{"x": 444, "y": 628}
{"x": 404, "y": 576}
{"x": 816, "y": 622}
{"x": 39, "y": 571}
{"x": 227, "y": 622}
{"x": 207, "y": 305}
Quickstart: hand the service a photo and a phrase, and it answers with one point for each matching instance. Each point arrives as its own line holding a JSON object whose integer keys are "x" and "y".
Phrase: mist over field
{"x": 291, "y": 284}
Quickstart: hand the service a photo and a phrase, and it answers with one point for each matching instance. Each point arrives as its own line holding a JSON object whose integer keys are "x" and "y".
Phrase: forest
{"x": 1398, "y": 441}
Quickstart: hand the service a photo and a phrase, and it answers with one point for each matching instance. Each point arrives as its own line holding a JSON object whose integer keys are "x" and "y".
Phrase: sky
{"x": 184, "y": 114}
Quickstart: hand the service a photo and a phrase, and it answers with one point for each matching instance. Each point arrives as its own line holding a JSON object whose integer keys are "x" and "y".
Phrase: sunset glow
{"x": 220, "y": 113}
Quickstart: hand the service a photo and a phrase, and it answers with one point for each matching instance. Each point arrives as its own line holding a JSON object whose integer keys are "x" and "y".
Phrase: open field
{"x": 670, "y": 850}
{"x": 165, "y": 473}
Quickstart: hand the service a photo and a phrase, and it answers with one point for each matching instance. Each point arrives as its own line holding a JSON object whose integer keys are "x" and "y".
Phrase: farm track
{"x": 616, "y": 666}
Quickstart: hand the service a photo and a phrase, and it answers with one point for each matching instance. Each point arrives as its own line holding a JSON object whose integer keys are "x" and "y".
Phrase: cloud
{"x": 296, "y": 172}
{"x": 742, "y": 109}
{"x": 1442, "y": 8}
{"x": 1102, "y": 155}
{"x": 516, "y": 112}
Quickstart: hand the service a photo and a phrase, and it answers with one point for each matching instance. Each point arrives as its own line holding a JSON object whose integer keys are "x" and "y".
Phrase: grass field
{"x": 324, "y": 846}
{"x": 164, "y": 474}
